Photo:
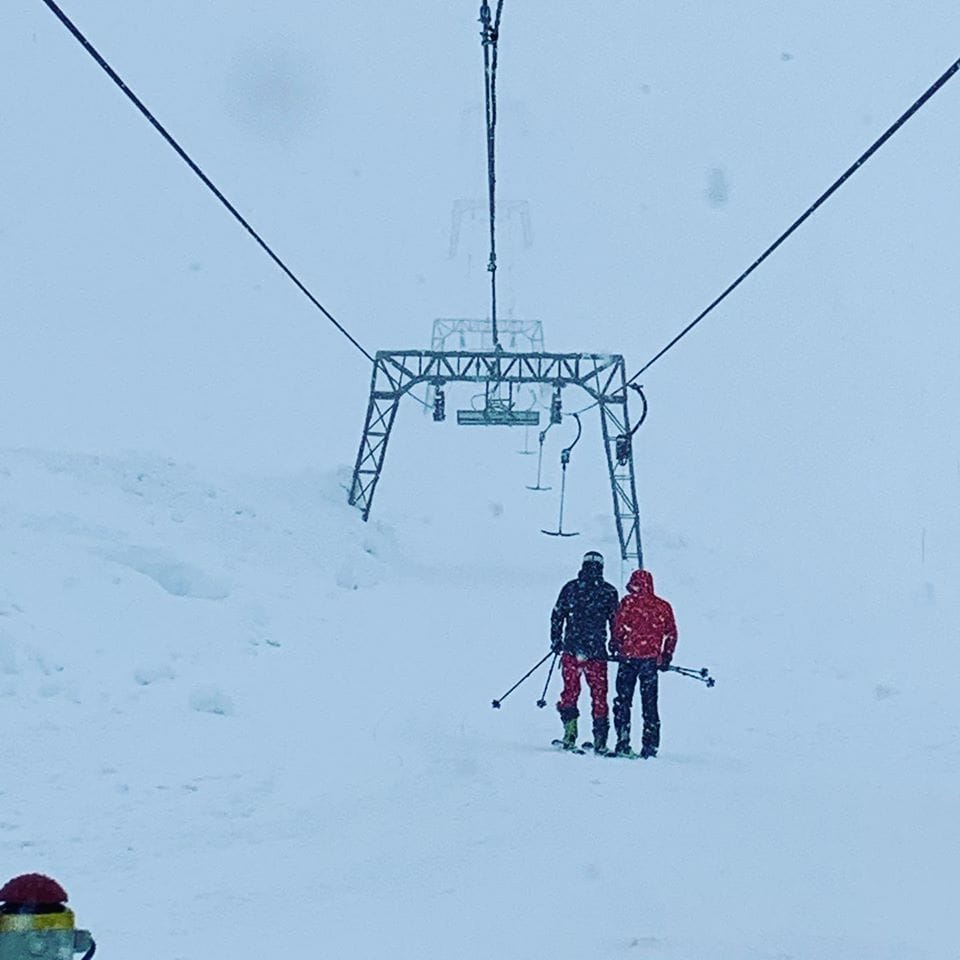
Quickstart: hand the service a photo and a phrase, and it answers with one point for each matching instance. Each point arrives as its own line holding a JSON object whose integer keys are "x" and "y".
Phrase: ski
{"x": 567, "y": 747}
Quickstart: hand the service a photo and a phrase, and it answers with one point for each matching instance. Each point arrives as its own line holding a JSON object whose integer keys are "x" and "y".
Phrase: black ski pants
{"x": 628, "y": 673}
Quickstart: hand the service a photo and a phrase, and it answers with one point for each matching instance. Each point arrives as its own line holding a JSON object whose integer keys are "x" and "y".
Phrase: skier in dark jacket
{"x": 578, "y": 629}
{"x": 644, "y": 637}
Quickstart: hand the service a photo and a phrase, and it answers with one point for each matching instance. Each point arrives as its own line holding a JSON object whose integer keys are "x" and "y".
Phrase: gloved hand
{"x": 665, "y": 664}
{"x": 556, "y": 646}
{"x": 614, "y": 650}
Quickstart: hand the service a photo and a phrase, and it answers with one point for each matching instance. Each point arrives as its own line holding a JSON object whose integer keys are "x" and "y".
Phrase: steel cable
{"x": 832, "y": 189}
{"x": 88, "y": 46}
{"x": 491, "y": 35}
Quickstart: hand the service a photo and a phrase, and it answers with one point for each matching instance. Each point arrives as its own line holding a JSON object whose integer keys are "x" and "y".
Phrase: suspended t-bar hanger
{"x": 543, "y": 436}
{"x": 526, "y": 451}
{"x": 564, "y": 461}
{"x": 556, "y": 415}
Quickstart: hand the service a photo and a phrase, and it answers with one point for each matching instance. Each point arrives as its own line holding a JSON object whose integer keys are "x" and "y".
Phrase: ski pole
{"x": 496, "y": 703}
{"x": 689, "y": 671}
{"x": 542, "y": 702}
{"x": 703, "y": 674}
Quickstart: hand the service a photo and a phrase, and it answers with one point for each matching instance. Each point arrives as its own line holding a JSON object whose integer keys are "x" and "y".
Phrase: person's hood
{"x": 641, "y": 583}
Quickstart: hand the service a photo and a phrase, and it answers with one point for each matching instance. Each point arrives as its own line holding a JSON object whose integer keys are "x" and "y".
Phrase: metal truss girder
{"x": 398, "y": 371}
{"x": 530, "y": 331}
{"x": 381, "y": 412}
{"x": 615, "y": 421}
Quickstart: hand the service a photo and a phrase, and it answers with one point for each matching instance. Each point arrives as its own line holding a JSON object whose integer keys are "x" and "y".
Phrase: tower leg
{"x": 381, "y": 412}
{"x": 615, "y": 420}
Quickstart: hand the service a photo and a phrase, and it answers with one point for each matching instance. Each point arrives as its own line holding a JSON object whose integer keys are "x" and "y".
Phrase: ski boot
{"x": 623, "y": 749}
{"x": 569, "y": 741}
{"x": 647, "y": 752}
{"x": 601, "y": 729}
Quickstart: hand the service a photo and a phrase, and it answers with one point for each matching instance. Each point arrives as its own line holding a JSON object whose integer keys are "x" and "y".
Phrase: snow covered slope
{"x": 242, "y": 723}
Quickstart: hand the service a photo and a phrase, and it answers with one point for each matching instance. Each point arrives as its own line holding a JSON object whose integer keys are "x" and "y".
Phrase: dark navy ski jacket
{"x": 583, "y": 613}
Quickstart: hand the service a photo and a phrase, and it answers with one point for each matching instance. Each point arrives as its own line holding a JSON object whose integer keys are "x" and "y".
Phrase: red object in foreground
{"x": 596, "y": 673}
{"x": 32, "y": 888}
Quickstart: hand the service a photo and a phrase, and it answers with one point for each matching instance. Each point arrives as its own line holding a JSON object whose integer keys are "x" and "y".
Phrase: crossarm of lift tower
{"x": 596, "y": 373}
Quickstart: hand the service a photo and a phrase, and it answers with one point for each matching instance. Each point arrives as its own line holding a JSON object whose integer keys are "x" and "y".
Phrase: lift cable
{"x": 837, "y": 184}
{"x": 85, "y": 43}
{"x": 490, "y": 36}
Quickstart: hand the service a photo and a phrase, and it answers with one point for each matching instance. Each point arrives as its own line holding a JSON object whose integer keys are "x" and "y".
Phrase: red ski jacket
{"x": 643, "y": 626}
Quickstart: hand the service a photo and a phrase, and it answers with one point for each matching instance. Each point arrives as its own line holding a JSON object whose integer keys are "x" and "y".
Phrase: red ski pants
{"x": 596, "y": 674}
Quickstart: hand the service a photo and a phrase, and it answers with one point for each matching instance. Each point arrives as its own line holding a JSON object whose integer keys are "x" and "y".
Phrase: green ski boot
{"x": 569, "y": 741}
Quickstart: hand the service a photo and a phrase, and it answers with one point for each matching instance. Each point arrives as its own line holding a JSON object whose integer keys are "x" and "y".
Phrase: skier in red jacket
{"x": 643, "y": 639}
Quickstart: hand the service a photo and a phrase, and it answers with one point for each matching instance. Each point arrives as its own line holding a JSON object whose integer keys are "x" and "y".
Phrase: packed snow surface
{"x": 241, "y": 723}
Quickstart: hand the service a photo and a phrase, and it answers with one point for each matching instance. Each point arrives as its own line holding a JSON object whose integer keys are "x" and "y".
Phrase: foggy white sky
{"x": 136, "y": 313}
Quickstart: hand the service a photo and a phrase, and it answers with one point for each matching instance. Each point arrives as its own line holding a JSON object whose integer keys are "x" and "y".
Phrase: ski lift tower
{"x": 464, "y": 334}
{"x": 601, "y": 376}
{"x": 478, "y": 334}
{"x": 502, "y": 371}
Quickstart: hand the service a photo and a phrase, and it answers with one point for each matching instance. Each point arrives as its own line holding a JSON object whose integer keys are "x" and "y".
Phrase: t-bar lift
{"x": 601, "y": 376}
